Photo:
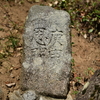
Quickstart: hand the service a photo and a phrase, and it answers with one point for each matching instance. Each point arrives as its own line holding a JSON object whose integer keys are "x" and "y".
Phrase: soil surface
{"x": 86, "y": 54}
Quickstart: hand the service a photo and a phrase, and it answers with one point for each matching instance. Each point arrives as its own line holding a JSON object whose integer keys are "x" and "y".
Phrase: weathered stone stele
{"x": 47, "y": 51}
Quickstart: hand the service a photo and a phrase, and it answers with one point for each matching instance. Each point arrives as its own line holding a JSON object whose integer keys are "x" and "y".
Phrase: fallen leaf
{"x": 9, "y": 85}
{"x": 50, "y": 4}
{"x": 85, "y": 36}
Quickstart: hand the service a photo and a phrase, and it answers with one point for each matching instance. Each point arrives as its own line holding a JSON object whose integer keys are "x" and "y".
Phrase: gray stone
{"x": 69, "y": 97}
{"x": 91, "y": 90}
{"x": 47, "y": 52}
{"x": 30, "y": 95}
{"x": 48, "y": 98}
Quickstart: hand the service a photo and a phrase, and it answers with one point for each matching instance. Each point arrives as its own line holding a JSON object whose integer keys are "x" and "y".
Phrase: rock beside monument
{"x": 47, "y": 52}
{"x": 91, "y": 90}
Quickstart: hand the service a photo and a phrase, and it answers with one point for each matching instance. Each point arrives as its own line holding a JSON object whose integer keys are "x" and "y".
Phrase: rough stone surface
{"x": 47, "y": 51}
{"x": 30, "y": 95}
{"x": 48, "y": 98}
{"x": 91, "y": 90}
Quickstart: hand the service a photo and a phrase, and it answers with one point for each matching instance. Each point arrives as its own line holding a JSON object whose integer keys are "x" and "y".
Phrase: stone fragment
{"x": 30, "y": 95}
{"x": 91, "y": 90}
{"x": 47, "y": 49}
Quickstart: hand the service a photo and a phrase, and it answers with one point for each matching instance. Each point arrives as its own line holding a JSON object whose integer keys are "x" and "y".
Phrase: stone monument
{"x": 47, "y": 52}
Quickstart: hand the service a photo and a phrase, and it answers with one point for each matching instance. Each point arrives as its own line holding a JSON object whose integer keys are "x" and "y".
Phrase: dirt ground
{"x": 86, "y": 54}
